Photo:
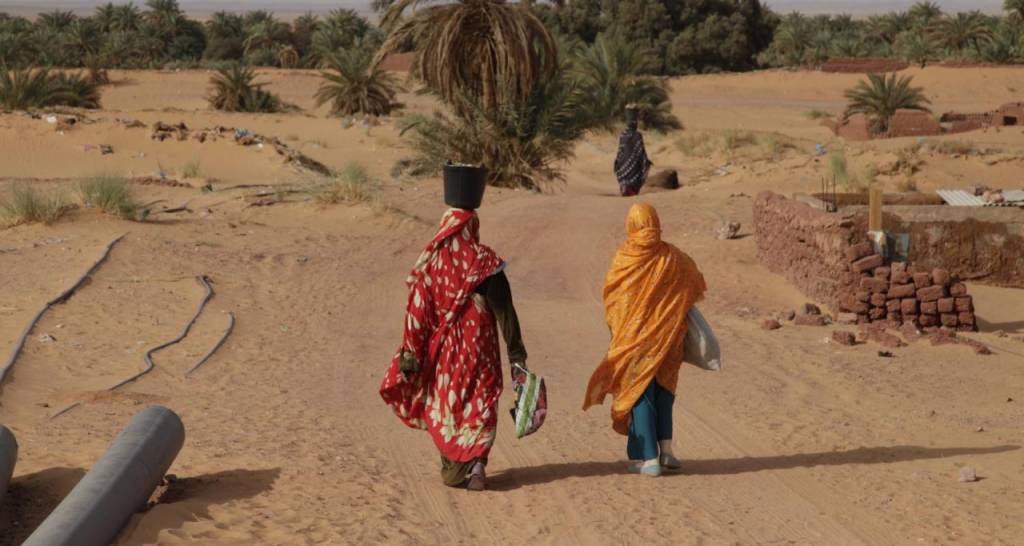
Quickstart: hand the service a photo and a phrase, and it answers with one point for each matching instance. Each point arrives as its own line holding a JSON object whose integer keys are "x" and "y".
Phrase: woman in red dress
{"x": 446, "y": 376}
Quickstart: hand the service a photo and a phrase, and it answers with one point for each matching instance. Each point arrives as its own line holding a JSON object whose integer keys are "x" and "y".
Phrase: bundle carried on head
{"x": 464, "y": 185}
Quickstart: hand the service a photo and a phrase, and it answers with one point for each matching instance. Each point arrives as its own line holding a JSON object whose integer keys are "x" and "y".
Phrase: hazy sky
{"x": 298, "y": 6}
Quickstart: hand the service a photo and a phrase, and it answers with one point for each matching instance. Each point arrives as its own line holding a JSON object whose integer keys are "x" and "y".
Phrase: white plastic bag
{"x": 700, "y": 346}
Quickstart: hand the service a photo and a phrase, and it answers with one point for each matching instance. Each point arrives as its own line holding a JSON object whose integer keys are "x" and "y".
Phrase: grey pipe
{"x": 118, "y": 486}
{"x": 8, "y": 456}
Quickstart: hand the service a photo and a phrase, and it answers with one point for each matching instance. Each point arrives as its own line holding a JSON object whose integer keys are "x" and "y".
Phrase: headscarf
{"x": 631, "y": 162}
{"x": 650, "y": 287}
{"x": 456, "y": 253}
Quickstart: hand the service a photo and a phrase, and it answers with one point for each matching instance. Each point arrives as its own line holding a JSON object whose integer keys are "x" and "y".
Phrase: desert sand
{"x": 796, "y": 441}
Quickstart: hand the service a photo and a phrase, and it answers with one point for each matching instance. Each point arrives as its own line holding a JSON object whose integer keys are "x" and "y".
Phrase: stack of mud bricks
{"x": 897, "y": 293}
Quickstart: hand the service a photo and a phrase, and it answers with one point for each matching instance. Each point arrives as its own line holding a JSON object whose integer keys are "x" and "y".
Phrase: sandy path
{"x": 796, "y": 441}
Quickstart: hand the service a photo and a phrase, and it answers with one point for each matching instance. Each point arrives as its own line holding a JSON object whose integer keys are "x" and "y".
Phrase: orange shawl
{"x": 650, "y": 287}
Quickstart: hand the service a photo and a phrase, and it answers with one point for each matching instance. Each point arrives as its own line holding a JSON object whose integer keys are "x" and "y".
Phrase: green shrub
{"x": 111, "y": 194}
{"x": 352, "y": 184}
{"x": 192, "y": 169}
{"x": 355, "y": 84}
{"x": 815, "y": 114}
{"x": 24, "y": 89}
{"x": 613, "y": 73}
{"x": 26, "y": 205}
{"x": 233, "y": 89}
{"x": 845, "y": 176}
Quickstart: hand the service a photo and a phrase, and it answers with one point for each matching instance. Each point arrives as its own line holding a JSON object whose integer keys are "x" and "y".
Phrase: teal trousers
{"x": 651, "y": 421}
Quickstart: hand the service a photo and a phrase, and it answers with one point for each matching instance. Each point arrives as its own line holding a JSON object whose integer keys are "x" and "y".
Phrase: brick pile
{"x": 899, "y": 294}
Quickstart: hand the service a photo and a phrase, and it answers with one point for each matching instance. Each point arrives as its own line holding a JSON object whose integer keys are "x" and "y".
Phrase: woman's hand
{"x": 408, "y": 364}
{"x": 519, "y": 371}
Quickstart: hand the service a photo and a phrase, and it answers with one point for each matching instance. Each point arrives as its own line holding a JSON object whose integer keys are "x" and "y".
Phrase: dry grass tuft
{"x": 955, "y": 147}
{"x": 192, "y": 169}
{"x": 352, "y": 184}
{"x": 907, "y": 185}
{"x": 26, "y": 205}
{"x": 847, "y": 177}
{"x": 730, "y": 143}
{"x": 816, "y": 114}
{"x": 111, "y": 194}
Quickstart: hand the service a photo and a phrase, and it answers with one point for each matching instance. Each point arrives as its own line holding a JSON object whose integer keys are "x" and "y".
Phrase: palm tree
{"x": 924, "y": 13}
{"x": 886, "y": 27}
{"x": 380, "y": 6}
{"x": 96, "y": 68}
{"x": 915, "y": 47}
{"x": 225, "y": 36}
{"x": 233, "y": 89}
{"x": 1015, "y": 7}
{"x": 77, "y": 91}
{"x": 106, "y": 17}
{"x": 120, "y": 47}
{"x": 491, "y": 51}
{"x": 127, "y": 18}
{"x": 27, "y": 88}
{"x": 303, "y": 28}
{"x": 340, "y": 30}
{"x": 57, "y": 20}
{"x": 265, "y": 33}
{"x": 16, "y": 49}
{"x": 611, "y": 74}
{"x": 165, "y": 16}
{"x": 522, "y": 145}
{"x": 1005, "y": 46}
{"x": 848, "y": 45}
{"x": 791, "y": 39}
{"x": 354, "y": 84}
{"x": 880, "y": 97}
{"x": 961, "y": 31}
{"x": 82, "y": 37}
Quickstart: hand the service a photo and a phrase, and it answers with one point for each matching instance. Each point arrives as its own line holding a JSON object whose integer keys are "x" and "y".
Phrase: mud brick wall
{"x": 805, "y": 245}
{"x": 907, "y": 123}
{"x": 827, "y": 256}
{"x": 977, "y": 244}
{"x": 899, "y": 294}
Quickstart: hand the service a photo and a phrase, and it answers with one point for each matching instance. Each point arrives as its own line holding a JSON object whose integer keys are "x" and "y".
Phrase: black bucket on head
{"x": 464, "y": 186}
{"x": 632, "y": 115}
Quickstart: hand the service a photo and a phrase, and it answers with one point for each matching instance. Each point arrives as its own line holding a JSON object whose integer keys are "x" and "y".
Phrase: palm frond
{"x": 489, "y": 50}
{"x": 355, "y": 84}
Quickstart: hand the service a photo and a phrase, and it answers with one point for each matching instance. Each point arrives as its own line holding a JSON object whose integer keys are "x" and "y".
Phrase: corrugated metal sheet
{"x": 960, "y": 198}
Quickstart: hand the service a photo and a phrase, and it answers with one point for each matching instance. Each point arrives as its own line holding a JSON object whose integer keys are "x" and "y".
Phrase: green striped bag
{"x": 531, "y": 405}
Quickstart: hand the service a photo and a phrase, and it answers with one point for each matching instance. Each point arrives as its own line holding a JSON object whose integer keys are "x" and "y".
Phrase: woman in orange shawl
{"x": 650, "y": 287}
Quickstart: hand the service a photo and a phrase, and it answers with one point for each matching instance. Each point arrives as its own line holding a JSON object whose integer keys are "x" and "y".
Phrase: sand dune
{"x": 796, "y": 441}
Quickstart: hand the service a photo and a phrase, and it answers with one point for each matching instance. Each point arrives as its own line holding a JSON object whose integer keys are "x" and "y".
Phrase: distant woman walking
{"x": 446, "y": 376}
{"x": 648, "y": 291}
{"x": 631, "y": 162}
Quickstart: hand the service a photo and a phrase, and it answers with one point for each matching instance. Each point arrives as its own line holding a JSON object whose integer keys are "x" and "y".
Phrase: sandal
{"x": 670, "y": 463}
{"x": 477, "y": 478}
{"x": 652, "y": 471}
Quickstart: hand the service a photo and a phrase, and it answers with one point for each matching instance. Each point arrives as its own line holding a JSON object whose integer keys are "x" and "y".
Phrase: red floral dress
{"x": 454, "y": 337}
